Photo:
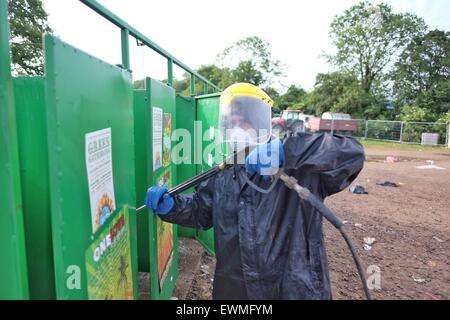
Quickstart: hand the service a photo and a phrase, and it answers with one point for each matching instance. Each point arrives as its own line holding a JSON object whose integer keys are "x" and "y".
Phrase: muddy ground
{"x": 410, "y": 224}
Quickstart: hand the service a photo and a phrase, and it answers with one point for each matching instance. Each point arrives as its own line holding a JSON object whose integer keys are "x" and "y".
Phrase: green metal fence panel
{"x": 32, "y": 136}
{"x": 186, "y": 169}
{"x": 155, "y": 116}
{"x": 91, "y": 173}
{"x": 13, "y": 269}
{"x": 208, "y": 114}
{"x": 141, "y": 140}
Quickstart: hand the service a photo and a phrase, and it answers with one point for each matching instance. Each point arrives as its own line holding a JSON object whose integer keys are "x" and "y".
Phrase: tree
{"x": 337, "y": 92}
{"x": 422, "y": 75}
{"x": 272, "y": 92}
{"x": 294, "y": 98}
{"x": 251, "y": 60}
{"x": 445, "y": 118}
{"x": 368, "y": 39}
{"x": 221, "y": 77}
{"x": 28, "y": 21}
{"x": 413, "y": 113}
{"x": 139, "y": 84}
{"x": 248, "y": 60}
{"x": 246, "y": 71}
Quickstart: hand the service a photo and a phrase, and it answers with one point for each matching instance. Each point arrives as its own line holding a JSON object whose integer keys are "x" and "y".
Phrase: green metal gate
{"x": 186, "y": 169}
{"x": 13, "y": 269}
{"x": 207, "y": 112}
{"x": 68, "y": 229}
{"x": 90, "y": 132}
{"x": 141, "y": 140}
{"x": 33, "y": 158}
{"x": 155, "y": 118}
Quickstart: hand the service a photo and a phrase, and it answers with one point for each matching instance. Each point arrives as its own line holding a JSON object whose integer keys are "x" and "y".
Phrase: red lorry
{"x": 335, "y": 122}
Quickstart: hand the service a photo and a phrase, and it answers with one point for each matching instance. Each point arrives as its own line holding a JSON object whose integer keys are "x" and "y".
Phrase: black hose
{"x": 306, "y": 195}
{"x": 337, "y": 223}
{"x": 324, "y": 210}
{"x": 357, "y": 262}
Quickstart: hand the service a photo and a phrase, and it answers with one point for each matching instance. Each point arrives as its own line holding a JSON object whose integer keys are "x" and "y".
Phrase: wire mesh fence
{"x": 413, "y": 132}
{"x": 360, "y": 128}
{"x": 384, "y": 130}
{"x": 426, "y": 133}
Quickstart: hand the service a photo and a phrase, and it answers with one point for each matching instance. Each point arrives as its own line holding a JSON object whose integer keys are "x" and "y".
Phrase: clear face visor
{"x": 244, "y": 122}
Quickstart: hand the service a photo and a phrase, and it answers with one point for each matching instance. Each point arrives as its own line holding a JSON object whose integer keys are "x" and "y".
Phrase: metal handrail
{"x": 127, "y": 30}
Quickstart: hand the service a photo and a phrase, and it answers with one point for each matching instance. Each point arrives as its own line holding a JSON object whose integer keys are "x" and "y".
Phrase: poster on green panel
{"x": 155, "y": 122}
{"x": 164, "y": 233}
{"x": 108, "y": 261}
{"x": 162, "y": 131}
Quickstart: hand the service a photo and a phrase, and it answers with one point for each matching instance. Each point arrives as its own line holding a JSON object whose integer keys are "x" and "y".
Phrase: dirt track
{"x": 411, "y": 225}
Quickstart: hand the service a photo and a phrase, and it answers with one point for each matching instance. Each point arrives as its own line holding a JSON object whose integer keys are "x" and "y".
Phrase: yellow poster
{"x": 108, "y": 261}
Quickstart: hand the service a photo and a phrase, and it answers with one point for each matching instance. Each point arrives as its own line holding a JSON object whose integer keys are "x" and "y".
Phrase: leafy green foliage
{"x": 247, "y": 60}
{"x": 422, "y": 76}
{"x": 369, "y": 37}
{"x": 221, "y": 77}
{"x": 272, "y": 92}
{"x": 337, "y": 92}
{"x": 413, "y": 113}
{"x": 444, "y": 118}
{"x": 251, "y": 60}
{"x": 28, "y": 21}
{"x": 139, "y": 84}
{"x": 294, "y": 98}
{"x": 246, "y": 71}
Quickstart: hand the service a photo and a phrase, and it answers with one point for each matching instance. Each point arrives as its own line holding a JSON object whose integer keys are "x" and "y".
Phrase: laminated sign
{"x": 162, "y": 132}
{"x": 157, "y": 138}
{"x": 108, "y": 261}
{"x": 166, "y": 138}
{"x": 100, "y": 176}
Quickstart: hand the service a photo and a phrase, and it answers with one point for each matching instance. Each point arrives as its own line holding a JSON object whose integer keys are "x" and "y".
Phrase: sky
{"x": 196, "y": 31}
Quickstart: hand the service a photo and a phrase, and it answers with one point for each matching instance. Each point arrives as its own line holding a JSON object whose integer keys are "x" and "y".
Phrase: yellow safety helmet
{"x": 245, "y": 115}
{"x": 244, "y": 89}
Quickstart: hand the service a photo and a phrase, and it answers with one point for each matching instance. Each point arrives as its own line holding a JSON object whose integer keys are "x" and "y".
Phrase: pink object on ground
{"x": 391, "y": 159}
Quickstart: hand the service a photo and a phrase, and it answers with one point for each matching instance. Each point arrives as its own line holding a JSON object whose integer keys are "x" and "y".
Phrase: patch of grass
{"x": 384, "y": 144}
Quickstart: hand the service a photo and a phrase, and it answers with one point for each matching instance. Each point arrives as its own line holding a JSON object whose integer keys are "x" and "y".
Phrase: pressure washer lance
{"x": 194, "y": 181}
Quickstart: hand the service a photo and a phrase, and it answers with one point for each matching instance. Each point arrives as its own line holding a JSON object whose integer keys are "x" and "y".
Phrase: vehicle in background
{"x": 291, "y": 120}
{"x": 333, "y": 122}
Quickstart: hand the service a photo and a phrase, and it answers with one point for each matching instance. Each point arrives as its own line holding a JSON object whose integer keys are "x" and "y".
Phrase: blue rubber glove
{"x": 159, "y": 200}
{"x": 265, "y": 159}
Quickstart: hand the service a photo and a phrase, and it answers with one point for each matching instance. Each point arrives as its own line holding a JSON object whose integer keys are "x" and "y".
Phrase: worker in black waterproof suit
{"x": 270, "y": 246}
